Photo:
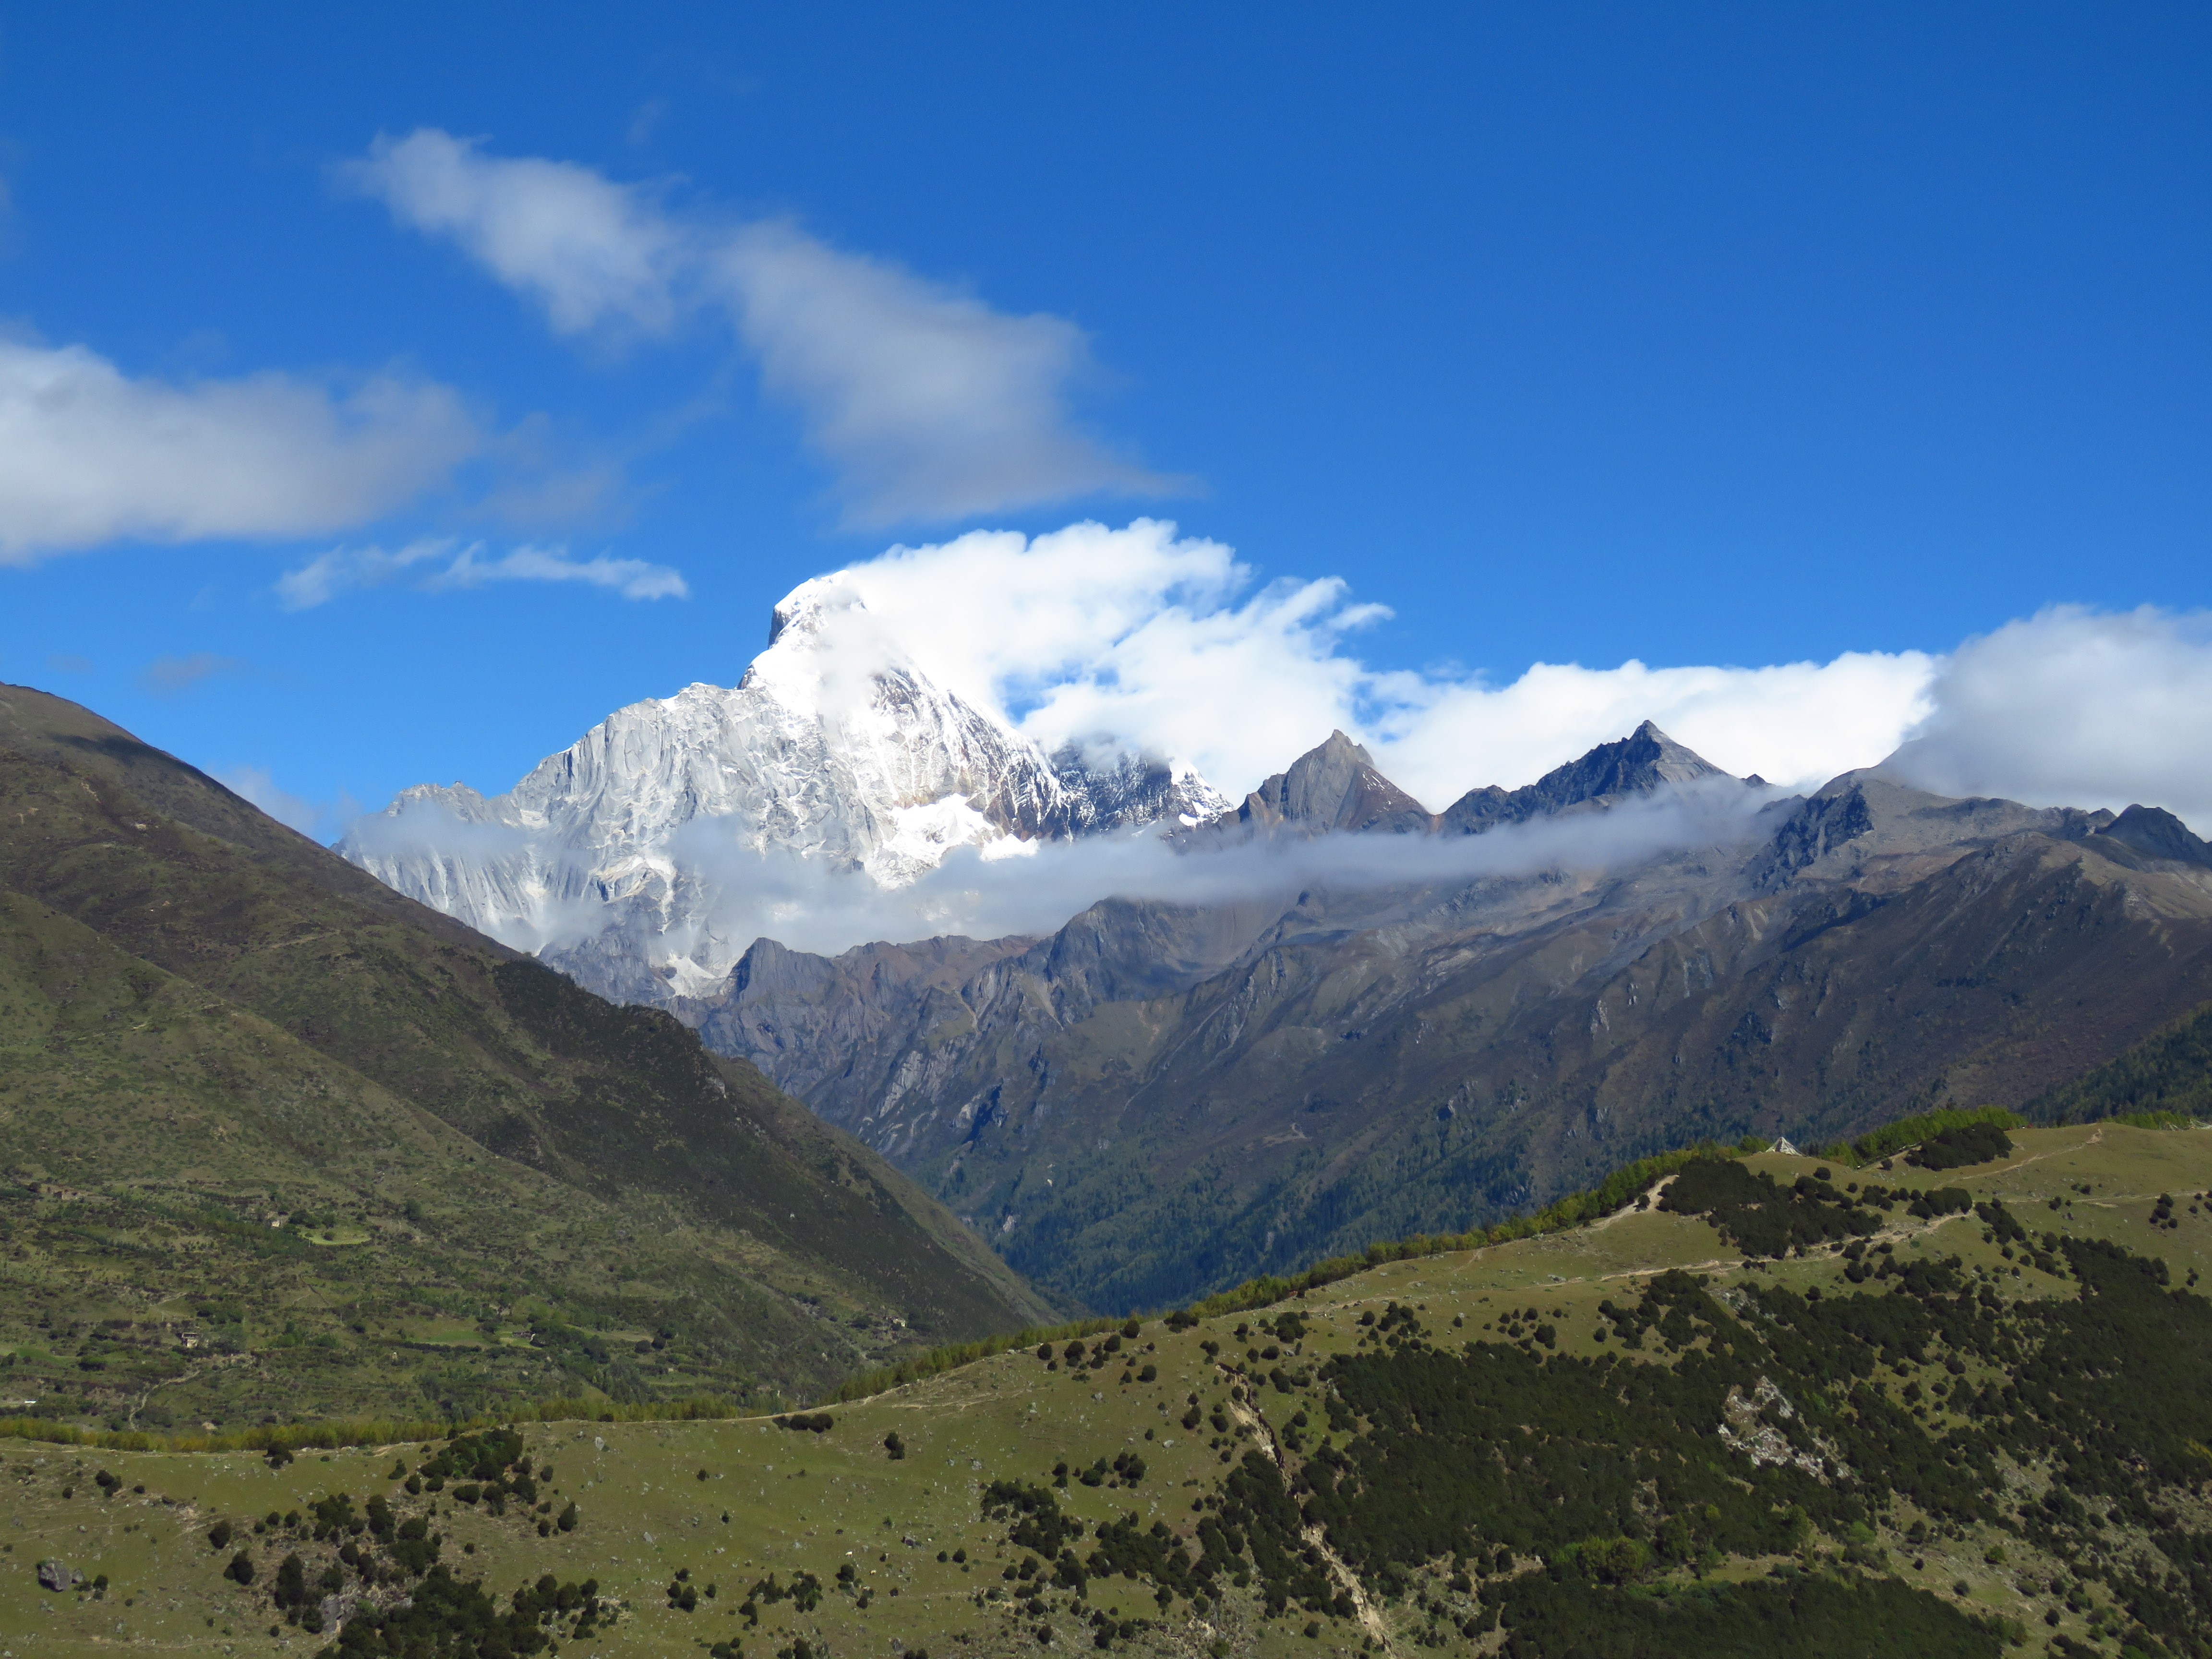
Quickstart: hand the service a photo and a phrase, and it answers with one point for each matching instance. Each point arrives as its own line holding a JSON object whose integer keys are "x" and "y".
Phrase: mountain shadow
{"x": 275, "y": 1135}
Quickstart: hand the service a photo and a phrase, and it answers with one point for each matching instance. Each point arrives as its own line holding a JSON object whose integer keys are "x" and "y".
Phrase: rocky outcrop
{"x": 2158, "y": 834}
{"x": 1645, "y": 761}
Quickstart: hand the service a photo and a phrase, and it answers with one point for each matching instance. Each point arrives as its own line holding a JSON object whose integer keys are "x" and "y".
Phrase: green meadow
{"x": 898, "y": 1554}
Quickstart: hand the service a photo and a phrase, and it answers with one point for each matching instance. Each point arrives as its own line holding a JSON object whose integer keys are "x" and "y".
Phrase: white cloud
{"x": 1798, "y": 724}
{"x": 435, "y": 566}
{"x": 634, "y": 578}
{"x": 588, "y": 250}
{"x": 1138, "y": 636}
{"x": 257, "y": 786}
{"x": 88, "y": 455}
{"x": 802, "y": 903}
{"x": 930, "y": 404}
{"x": 2076, "y": 708}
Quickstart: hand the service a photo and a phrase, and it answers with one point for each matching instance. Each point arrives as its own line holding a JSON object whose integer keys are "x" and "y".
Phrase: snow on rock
{"x": 606, "y": 858}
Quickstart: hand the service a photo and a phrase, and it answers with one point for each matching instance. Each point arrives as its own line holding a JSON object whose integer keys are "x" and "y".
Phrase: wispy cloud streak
{"x": 439, "y": 565}
{"x": 930, "y": 404}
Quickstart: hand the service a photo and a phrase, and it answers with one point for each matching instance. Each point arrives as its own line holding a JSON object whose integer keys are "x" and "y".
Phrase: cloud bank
{"x": 734, "y": 893}
{"x": 89, "y": 455}
{"x": 436, "y": 566}
{"x": 800, "y": 903}
{"x": 2072, "y": 707}
{"x": 1140, "y": 637}
{"x": 929, "y": 403}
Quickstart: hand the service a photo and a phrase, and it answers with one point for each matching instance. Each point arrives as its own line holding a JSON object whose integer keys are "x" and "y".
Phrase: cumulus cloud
{"x": 2074, "y": 707}
{"x": 1138, "y": 637}
{"x": 166, "y": 677}
{"x": 1792, "y": 723}
{"x": 437, "y": 565}
{"x": 89, "y": 455}
{"x": 928, "y": 403}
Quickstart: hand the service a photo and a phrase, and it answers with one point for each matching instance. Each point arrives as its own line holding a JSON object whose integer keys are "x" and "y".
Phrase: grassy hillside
{"x": 279, "y": 1142}
{"x": 1940, "y": 1410}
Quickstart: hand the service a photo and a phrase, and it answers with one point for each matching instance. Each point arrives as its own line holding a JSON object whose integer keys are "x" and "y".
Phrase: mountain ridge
{"x": 203, "y": 1031}
{"x": 1155, "y": 1100}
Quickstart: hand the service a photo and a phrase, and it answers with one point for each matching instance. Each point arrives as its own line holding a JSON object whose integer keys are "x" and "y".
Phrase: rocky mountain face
{"x": 1156, "y": 1100}
{"x": 1335, "y": 790}
{"x": 608, "y": 859}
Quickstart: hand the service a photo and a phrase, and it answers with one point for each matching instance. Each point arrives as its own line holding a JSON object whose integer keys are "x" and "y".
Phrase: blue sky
{"x": 1725, "y": 335}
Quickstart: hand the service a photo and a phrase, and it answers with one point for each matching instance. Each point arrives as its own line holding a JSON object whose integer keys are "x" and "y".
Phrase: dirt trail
{"x": 1651, "y": 1196}
{"x": 1369, "y": 1617}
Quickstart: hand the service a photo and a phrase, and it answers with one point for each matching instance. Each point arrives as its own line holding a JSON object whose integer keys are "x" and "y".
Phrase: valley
{"x": 374, "y": 1290}
{"x": 1156, "y": 1100}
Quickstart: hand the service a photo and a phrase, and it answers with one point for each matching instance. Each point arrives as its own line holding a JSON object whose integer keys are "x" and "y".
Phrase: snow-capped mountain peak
{"x": 609, "y": 856}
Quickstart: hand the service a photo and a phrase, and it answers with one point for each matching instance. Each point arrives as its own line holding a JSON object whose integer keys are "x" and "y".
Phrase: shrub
{"x": 1983, "y": 1142}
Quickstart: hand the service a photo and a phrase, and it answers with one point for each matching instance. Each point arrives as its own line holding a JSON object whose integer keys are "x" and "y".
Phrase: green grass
{"x": 799, "y": 1501}
{"x": 277, "y": 1142}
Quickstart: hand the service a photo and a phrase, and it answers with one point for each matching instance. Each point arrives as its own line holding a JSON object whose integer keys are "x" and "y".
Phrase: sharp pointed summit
{"x": 1334, "y": 787}
{"x": 1645, "y": 761}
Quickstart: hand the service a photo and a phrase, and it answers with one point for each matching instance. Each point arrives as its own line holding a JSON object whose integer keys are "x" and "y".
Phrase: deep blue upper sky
{"x": 1735, "y": 334}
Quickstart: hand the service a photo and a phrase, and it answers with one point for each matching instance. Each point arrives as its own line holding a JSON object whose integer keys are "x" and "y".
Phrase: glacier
{"x": 643, "y": 859}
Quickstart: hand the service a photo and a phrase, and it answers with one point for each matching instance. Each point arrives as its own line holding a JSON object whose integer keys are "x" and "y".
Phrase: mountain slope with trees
{"x": 1754, "y": 1404}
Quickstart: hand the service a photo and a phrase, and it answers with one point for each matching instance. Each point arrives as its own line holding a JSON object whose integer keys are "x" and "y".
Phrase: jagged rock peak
{"x": 1335, "y": 786}
{"x": 1643, "y": 761}
{"x": 2158, "y": 834}
{"x": 1637, "y": 765}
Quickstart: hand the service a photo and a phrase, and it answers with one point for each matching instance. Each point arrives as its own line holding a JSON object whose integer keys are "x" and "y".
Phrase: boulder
{"x": 56, "y": 1576}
